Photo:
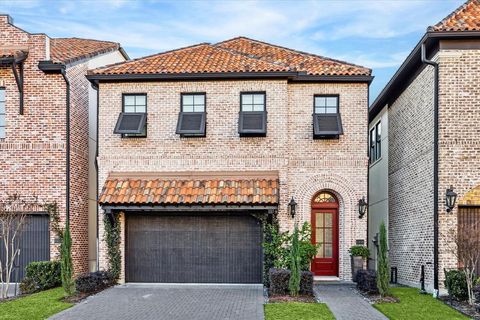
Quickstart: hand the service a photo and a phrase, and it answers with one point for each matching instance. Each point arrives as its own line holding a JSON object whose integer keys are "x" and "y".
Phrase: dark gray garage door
{"x": 34, "y": 244}
{"x": 193, "y": 249}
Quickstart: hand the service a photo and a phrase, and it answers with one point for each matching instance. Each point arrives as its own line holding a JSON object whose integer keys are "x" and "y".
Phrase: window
{"x": 252, "y": 119}
{"x": 132, "y": 122}
{"x": 327, "y": 122}
{"x": 2, "y": 113}
{"x": 191, "y": 120}
{"x": 376, "y": 142}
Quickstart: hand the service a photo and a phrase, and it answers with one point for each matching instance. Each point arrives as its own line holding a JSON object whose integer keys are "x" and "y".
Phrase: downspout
{"x": 97, "y": 87}
{"x": 435, "y": 167}
{"x": 67, "y": 133}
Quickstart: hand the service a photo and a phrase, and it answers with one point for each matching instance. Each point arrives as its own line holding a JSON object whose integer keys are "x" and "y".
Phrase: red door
{"x": 325, "y": 233}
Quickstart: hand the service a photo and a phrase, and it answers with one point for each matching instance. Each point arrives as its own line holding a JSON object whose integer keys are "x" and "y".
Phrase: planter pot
{"x": 357, "y": 264}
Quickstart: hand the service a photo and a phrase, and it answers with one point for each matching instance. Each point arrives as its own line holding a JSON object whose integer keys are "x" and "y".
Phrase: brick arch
{"x": 347, "y": 199}
{"x": 471, "y": 198}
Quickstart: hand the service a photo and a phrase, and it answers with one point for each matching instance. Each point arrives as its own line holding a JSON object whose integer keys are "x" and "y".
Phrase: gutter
{"x": 435, "y": 166}
{"x": 49, "y": 67}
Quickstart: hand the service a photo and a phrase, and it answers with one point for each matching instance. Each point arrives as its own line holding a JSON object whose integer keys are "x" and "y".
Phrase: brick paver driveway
{"x": 172, "y": 302}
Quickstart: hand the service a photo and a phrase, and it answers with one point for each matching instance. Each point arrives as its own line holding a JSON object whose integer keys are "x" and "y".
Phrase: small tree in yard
{"x": 295, "y": 261}
{"x": 13, "y": 213}
{"x": 382, "y": 275}
{"x": 466, "y": 248}
{"x": 66, "y": 262}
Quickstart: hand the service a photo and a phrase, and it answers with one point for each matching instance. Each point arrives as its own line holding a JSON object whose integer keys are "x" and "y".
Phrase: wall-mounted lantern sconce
{"x": 450, "y": 199}
{"x": 292, "y": 208}
{"x": 362, "y": 207}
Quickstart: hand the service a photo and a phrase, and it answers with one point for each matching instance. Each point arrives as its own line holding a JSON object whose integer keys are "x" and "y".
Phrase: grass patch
{"x": 298, "y": 311}
{"x": 39, "y": 305}
{"x": 417, "y": 306}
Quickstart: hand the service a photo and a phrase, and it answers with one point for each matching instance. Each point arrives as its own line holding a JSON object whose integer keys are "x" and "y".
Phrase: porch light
{"x": 362, "y": 207}
{"x": 292, "y": 208}
{"x": 450, "y": 199}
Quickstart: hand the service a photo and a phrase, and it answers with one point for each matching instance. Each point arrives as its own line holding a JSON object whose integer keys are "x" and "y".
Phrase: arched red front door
{"x": 325, "y": 233}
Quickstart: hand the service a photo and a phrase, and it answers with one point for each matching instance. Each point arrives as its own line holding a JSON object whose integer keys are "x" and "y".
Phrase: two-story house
{"x": 199, "y": 145}
{"x": 424, "y": 150}
{"x": 47, "y": 124}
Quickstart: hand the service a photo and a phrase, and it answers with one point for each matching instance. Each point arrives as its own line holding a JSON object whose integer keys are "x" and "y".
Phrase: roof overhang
{"x": 14, "y": 58}
{"x": 48, "y": 66}
{"x": 293, "y": 76}
{"x": 413, "y": 65}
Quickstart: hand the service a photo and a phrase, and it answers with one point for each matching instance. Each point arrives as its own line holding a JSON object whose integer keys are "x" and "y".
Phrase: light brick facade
{"x": 304, "y": 165}
{"x": 33, "y": 153}
{"x": 411, "y": 166}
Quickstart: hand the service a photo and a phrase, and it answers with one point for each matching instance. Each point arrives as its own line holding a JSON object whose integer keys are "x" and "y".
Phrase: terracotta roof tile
{"x": 465, "y": 18}
{"x": 298, "y": 60}
{"x": 201, "y": 58}
{"x": 66, "y": 50}
{"x": 236, "y": 55}
{"x": 7, "y": 52}
{"x": 172, "y": 191}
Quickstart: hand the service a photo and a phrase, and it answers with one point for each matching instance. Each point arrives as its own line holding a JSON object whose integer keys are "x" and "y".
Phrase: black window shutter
{"x": 252, "y": 123}
{"x": 191, "y": 124}
{"x": 130, "y": 123}
{"x": 327, "y": 126}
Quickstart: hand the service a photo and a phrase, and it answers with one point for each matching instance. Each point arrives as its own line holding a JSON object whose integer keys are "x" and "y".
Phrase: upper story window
{"x": 252, "y": 119}
{"x": 132, "y": 122}
{"x": 192, "y": 117}
{"x": 376, "y": 142}
{"x": 2, "y": 113}
{"x": 327, "y": 122}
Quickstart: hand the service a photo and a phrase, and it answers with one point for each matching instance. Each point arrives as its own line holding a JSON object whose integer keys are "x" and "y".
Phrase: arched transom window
{"x": 324, "y": 197}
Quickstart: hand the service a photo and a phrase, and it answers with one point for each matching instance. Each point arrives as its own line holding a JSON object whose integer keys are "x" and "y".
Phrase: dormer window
{"x": 192, "y": 117}
{"x": 327, "y": 122}
{"x": 253, "y": 114}
{"x": 132, "y": 122}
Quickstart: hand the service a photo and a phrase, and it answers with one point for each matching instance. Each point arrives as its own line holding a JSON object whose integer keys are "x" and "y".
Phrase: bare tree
{"x": 466, "y": 248}
{"x": 13, "y": 212}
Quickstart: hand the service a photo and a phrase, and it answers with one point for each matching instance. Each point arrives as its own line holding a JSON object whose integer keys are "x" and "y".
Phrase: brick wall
{"x": 410, "y": 185}
{"x": 459, "y": 144}
{"x": 305, "y": 166}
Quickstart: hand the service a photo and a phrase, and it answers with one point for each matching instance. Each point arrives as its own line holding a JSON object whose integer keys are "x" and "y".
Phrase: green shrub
{"x": 112, "y": 239}
{"x": 456, "y": 284}
{"x": 359, "y": 251}
{"x": 280, "y": 243}
{"x": 294, "y": 281}
{"x": 66, "y": 263}
{"x": 41, "y": 275}
{"x": 382, "y": 273}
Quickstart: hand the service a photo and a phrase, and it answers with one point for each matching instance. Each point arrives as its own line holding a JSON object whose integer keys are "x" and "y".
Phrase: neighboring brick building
{"x": 33, "y": 133}
{"x": 229, "y": 132}
{"x": 422, "y": 157}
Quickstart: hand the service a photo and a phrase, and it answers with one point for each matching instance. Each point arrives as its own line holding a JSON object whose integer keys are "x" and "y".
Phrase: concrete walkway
{"x": 172, "y": 302}
{"x": 346, "y": 303}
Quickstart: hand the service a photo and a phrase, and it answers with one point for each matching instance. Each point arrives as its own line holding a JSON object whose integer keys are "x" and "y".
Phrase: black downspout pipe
{"x": 67, "y": 133}
{"x": 97, "y": 87}
{"x": 368, "y": 169}
{"x": 435, "y": 167}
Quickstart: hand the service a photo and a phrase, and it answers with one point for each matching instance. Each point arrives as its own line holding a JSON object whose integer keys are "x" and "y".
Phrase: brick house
{"x": 424, "y": 129}
{"x": 199, "y": 145}
{"x": 42, "y": 151}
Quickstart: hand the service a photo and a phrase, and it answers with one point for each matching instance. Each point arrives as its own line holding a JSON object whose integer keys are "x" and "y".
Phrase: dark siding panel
{"x": 470, "y": 216}
{"x": 195, "y": 249}
{"x": 34, "y": 244}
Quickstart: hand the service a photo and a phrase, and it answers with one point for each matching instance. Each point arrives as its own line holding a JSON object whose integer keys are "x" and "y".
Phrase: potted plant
{"x": 358, "y": 255}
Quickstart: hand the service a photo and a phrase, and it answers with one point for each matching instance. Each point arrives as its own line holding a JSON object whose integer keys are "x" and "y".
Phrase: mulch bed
{"x": 376, "y": 298}
{"x": 302, "y": 298}
{"x": 461, "y": 306}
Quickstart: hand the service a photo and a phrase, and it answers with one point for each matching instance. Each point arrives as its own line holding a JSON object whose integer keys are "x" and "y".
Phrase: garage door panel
{"x": 198, "y": 249}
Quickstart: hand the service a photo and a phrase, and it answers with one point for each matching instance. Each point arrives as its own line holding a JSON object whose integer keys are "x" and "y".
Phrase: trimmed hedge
{"x": 94, "y": 281}
{"x": 456, "y": 284}
{"x": 41, "y": 275}
{"x": 366, "y": 281}
{"x": 279, "y": 279}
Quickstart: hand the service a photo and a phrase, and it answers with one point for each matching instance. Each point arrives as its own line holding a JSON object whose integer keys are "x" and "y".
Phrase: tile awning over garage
{"x": 191, "y": 189}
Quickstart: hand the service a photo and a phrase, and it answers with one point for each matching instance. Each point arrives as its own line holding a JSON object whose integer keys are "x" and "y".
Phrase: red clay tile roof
{"x": 298, "y": 60}
{"x": 67, "y": 50}
{"x": 194, "y": 191}
{"x": 201, "y": 58}
{"x": 465, "y": 18}
{"x": 235, "y": 55}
